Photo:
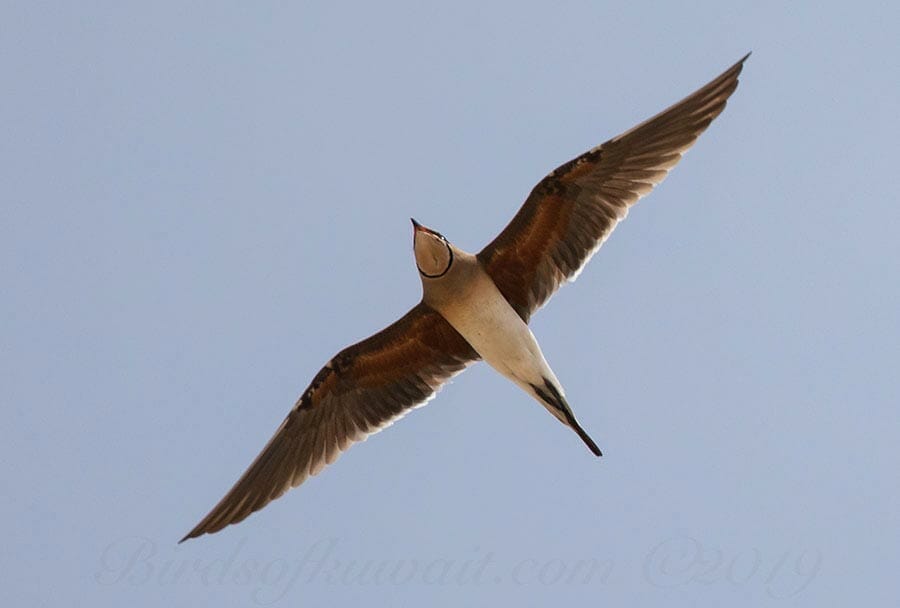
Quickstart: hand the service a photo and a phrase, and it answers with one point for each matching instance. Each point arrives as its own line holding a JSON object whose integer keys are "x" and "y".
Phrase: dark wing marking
{"x": 361, "y": 390}
{"x": 573, "y": 210}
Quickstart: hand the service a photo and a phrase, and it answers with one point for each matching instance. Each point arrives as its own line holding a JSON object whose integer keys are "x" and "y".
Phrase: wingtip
{"x": 739, "y": 65}
{"x": 193, "y": 534}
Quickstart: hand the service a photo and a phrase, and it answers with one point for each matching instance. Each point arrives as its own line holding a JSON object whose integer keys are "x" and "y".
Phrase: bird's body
{"x": 470, "y": 301}
{"x": 475, "y": 306}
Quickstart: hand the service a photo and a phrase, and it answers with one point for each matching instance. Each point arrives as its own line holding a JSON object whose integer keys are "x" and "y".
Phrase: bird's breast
{"x": 480, "y": 313}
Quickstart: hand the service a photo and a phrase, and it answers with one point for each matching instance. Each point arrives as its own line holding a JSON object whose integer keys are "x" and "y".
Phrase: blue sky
{"x": 201, "y": 204}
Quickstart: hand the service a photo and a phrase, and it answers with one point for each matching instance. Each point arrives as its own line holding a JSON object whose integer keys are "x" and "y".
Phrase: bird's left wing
{"x": 570, "y": 212}
{"x": 360, "y": 391}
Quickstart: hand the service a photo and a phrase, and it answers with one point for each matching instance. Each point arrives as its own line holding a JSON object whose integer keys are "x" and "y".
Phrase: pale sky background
{"x": 201, "y": 204}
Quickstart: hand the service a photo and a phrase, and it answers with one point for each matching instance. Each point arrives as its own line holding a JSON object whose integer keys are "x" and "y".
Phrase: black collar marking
{"x": 440, "y": 274}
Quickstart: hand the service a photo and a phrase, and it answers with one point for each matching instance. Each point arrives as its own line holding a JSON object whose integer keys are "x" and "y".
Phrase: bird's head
{"x": 434, "y": 253}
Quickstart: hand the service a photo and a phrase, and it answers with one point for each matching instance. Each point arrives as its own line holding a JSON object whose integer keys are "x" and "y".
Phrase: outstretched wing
{"x": 360, "y": 391}
{"x": 573, "y": 210}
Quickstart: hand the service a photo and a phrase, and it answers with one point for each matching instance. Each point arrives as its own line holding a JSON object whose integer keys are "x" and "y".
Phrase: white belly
{"x": 487, "y": 321}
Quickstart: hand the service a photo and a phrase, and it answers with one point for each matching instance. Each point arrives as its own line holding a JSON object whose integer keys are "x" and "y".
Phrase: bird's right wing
{"x": 361, "y": 390}
{"x": 570, "y": 212}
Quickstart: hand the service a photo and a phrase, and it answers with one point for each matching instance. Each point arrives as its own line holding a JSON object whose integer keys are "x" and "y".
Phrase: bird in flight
{"x": 475, "y": 306}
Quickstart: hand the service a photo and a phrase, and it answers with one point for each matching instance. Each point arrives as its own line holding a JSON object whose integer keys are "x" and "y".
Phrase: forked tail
{"x": 558, "y": 405}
